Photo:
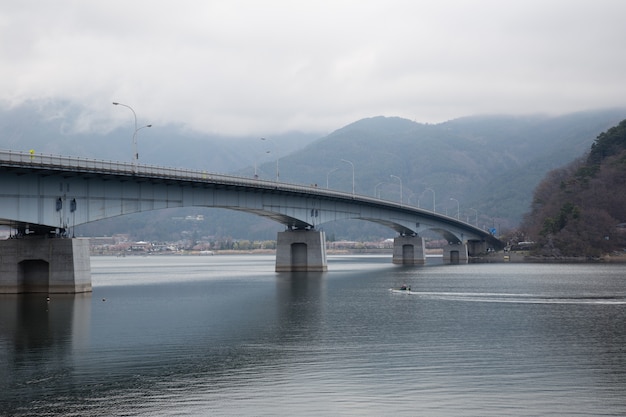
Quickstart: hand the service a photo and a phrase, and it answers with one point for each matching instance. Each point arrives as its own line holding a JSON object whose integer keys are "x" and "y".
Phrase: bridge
{"x": 43, "y": 197}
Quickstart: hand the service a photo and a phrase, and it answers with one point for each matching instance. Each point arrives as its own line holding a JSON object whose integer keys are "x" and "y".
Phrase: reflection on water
{"x": 229, "y": 336}
{"x": 299, "y": 299}
{"x": 38, "y": 336}
{"x": 38, "y": 322}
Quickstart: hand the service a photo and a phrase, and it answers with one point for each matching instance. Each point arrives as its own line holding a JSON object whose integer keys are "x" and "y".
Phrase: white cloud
{"x": 248, "y": 67}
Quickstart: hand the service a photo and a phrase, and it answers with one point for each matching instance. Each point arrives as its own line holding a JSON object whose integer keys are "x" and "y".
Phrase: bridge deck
{"x": 22, "y": 163}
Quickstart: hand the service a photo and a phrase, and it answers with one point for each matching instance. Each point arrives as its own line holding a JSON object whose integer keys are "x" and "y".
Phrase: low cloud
{"x": 248, "y": 67}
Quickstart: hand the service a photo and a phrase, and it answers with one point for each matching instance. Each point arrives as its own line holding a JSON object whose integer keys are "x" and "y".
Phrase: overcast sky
{"x": 267, "y": 66}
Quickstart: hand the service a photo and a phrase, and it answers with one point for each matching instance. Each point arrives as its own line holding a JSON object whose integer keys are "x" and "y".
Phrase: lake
{"x": 226, "y": 335}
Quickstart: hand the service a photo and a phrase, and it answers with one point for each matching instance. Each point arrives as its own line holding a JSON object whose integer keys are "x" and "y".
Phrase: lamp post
{"x": 433, "y": 191}
{"x": 458, "y": 207}
{"x": 328, "y": 174}
{"x": 476, "y": 213}
{"x": 349, "y": 162}
{"x": 135, "y": 153}
{"x": 274, "y": 143}
{"x": 399, "y": 179}
{"x": 376, "y": 192}
{"x": 256, "y": 163}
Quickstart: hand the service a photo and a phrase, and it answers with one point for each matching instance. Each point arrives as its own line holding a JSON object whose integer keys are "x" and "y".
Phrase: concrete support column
{"x": 455, "y": 253}
{"x": 45, "y": 265}
{"x": 476, "y": 247}
{"x": 409, "y": 250}
{"x": 301, "y": 250}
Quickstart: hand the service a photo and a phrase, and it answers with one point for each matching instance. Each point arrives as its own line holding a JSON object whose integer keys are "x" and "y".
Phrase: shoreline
{"x": 496, "y": 257}
{"x": 524, "y": 257}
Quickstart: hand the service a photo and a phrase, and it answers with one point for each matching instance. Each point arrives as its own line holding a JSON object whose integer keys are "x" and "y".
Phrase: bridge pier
{"x": 455, "y": 253}
{"x": 476, "y": 247}
{"x": 408, "y": 250}
{"x": 44, "y": 265}
{"x": 301, "y": 250}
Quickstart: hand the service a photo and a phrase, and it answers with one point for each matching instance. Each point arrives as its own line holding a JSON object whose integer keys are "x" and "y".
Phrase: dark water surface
{"x": 226, "y": 335}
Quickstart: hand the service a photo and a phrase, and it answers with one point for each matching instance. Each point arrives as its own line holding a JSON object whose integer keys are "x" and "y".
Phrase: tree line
{"x": 579, "y": 210}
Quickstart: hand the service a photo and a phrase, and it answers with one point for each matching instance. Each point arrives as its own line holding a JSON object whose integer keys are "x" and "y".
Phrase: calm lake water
{"x": 226, "y": 335}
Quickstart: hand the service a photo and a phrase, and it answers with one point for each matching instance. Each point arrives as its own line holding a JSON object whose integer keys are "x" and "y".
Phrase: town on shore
{"x": 121, "y": 245}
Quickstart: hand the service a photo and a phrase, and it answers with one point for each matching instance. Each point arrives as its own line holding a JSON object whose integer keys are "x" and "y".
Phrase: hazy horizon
{"x": 244, "y": 68}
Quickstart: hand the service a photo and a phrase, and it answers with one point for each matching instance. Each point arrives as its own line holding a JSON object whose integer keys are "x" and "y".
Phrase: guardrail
{"x": 78, "y": 164}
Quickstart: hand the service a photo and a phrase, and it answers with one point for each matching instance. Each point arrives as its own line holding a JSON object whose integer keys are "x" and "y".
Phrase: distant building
{"x": 141, "y": 246}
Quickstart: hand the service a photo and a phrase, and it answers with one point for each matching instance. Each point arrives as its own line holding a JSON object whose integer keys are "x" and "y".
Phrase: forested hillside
{"x": 579, "y": 210}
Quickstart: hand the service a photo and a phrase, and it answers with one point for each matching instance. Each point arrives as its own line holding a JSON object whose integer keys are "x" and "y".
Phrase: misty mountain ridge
{"x": 489, "y": 164}
{"x": 57, "y": 128}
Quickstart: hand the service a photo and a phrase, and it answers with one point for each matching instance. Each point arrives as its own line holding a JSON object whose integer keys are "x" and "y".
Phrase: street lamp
{"x": 256, "y": 163}
{"x": 458, "y": 207}
{"x": 433, "y": 191}
{"x": 376, "y": 192}
{"x": 274, "y": 143}
{"x": 346, "y": 161}
{"x": 399, "y": 179}
{"x": 135, "y": 153}
{"x": 476, "y": 213}
{"x": 328, "y": 174}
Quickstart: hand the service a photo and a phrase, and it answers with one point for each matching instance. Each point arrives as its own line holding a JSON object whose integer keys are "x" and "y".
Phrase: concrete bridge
{"x": 43, "y": 197}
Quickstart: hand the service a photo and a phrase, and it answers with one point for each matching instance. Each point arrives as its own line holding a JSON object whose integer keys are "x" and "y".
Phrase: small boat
{"x": 402, "y": 290}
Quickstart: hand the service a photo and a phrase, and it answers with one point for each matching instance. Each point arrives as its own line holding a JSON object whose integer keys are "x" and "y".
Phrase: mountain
{"x": 490, "y": 165}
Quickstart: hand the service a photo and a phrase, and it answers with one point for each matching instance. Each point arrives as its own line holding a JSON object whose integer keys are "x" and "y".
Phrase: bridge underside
{"x": 26, "y": 266}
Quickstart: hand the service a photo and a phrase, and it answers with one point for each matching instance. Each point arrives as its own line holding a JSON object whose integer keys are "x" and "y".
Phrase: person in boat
{"x": 403, "y": 287}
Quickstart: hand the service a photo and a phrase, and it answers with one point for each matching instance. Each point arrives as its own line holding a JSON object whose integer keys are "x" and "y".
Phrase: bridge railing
{"x": 78, "y": 164}
{"x": 26, "y": 159}
{"x": 59, "y": 162}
